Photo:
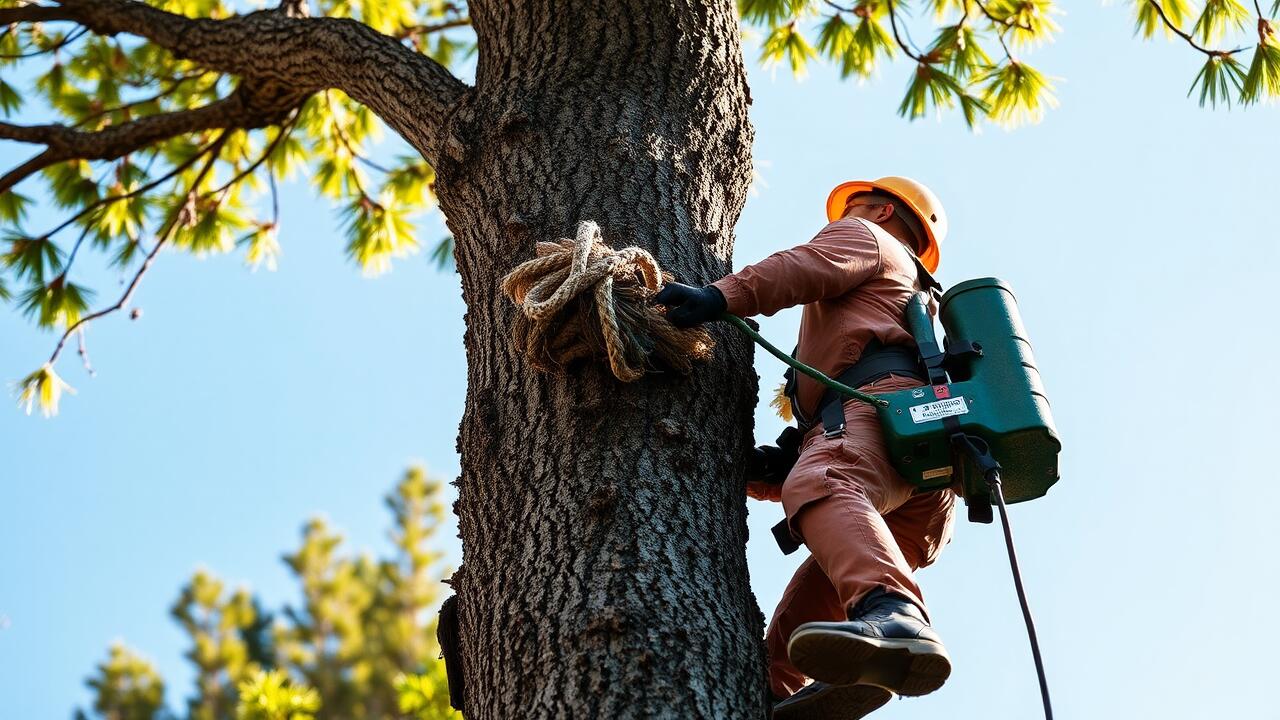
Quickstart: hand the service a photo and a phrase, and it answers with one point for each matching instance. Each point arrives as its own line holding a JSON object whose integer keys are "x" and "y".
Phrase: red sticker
{"x": 942, "y": 391}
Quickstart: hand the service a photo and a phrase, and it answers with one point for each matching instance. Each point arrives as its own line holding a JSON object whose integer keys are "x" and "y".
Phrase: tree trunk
{"x": 603, "y": 524}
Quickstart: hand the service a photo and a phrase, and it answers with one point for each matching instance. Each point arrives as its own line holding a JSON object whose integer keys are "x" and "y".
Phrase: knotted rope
{"x": 580, "y": 298}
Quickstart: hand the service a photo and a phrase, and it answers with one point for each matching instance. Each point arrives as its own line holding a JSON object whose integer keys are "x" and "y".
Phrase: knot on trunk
{"x": 579, "y": 298}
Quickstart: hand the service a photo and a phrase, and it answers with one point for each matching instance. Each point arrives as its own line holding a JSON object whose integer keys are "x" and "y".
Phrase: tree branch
{"x": 1187, "y": 36}
{"x": 409, "y": 91}
{"x": 18, "y": 174}
{"x": 893, "y": 23}
{"x": 416, "y": 30}
{"x": 33, "y": 13}
{"x": 244, "y": 108}
{"x": 161, "y": 239}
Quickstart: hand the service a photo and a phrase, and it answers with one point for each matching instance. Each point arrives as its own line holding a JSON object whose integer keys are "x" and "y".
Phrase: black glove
{"x": 770, "y": 464}
{"x": 688, "y": 306}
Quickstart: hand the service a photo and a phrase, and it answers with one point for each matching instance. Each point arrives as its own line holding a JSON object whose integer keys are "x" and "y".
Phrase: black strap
{"x": 877, "y": 362}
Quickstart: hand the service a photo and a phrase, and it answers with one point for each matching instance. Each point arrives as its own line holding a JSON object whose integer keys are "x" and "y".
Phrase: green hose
{"x": 801, "y": 367}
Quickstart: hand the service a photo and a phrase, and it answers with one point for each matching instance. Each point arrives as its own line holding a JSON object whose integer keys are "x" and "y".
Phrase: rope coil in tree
{"x": 580, "y": 298}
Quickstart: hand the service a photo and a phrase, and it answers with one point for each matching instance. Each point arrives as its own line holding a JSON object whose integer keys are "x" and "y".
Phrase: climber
{"x": 852, "y": 617}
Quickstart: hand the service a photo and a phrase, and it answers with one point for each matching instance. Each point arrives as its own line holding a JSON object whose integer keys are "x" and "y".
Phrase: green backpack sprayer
{"x": 982, "y": 424}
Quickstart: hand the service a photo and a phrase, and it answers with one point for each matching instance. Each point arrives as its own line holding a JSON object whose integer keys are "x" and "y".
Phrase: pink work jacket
{"x": 854, "y": 280}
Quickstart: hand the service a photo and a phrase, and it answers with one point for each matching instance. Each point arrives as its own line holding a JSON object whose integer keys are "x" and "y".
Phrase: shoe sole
{"x": 906, "y": 667}
{"x": 847, "y": 702}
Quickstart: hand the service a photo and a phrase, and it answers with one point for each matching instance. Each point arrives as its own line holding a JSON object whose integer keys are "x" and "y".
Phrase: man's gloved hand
{"x": 768, "y": 466}
{"x": 688, "y": 306}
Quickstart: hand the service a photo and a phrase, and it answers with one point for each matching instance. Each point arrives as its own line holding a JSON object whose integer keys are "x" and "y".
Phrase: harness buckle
{"x": 834, "y": 432}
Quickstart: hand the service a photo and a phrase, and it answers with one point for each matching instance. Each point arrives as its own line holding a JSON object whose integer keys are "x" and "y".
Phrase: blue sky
{"x": 1137, "y": 230}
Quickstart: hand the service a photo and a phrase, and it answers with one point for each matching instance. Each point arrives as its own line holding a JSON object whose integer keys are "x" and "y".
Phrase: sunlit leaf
{"x": 870, "y": 40}
{"x": 957, "y": 47}
{"x": 1263, "y": 80}
{"x": 931, "y": 87}
{"x": 1027, "y": 22}
{"x": 1148, "y": 19}
{"x": 835, "y": 36}
{"x": 13, "y": 207}
{"x": 1217, "y": 17}
{"x": 42, "y": 389}
{"x": 211, "y": 231}
{"x": 787, "y": 42}
{"x": 1017, "y": 93}
{"x": 409, "y": 182}
{"x": 1219, "y": 78}
{"x": 10, "y": 100}
{"x": 942, "y": 7}
{"x": 262, "y": 249}
{"x": 56, "y": 304}
{"x": 377, "y": 233}
{"x": 71, "y": 183}
{"x": 31, "y": 258}
{"x": 770, "y": 11}
{"x": 272, "y": 696}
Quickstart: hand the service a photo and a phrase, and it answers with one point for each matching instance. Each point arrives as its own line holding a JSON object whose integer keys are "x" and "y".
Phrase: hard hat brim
{"x": 929, "y": 255}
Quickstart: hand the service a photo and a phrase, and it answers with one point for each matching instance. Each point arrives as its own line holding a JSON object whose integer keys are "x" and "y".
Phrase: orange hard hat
{"x": 920, "y": 199}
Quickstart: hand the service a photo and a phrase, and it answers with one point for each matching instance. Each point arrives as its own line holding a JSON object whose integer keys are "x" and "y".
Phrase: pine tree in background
{"x": 125, "y": 687}
{"x": 361, "y": 646}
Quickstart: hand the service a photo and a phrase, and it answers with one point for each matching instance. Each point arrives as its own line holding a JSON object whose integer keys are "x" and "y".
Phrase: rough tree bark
{"x": 603, "y": 524}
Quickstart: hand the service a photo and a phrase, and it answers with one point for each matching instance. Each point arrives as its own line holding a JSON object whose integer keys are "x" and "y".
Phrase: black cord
{"x": 993, "y": 481}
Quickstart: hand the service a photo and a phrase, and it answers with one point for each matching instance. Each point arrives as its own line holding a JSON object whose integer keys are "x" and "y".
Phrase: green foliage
{"x": 378, "y": 232}
{"x": 57, "y": 304}
{"x": 1220, "y": 78}
{"x": 31, "y": 258}
{"x": 857, "y": 46}
{"x": 126, "y": 687}
{"x": 10, "y": 100}
{"x": 932, "y": 87}
{"x": 261, "y": 247}
{"x": 1263, "y": 79}
{"x": 974, "y": 62}
{"x": 219, "y": 650}
{"x": 271, "y": 696}
{"x": 424, "y": 697}
{"x": 360, "y": 646}
{"x": 42, "y": 388}
{"x": 787, "y": 42}
{"x": 1149, "y": 21}
{"x": 1026, "y": 22}
{"x": 214, "y": 192}
{"x": 206, "y": 193}
{"x": 1217, "y": 17}
{"x": 1016, "y": 93}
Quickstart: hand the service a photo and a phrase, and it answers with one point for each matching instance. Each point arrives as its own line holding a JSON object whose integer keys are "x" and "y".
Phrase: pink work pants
{"x": 863, "y": 526}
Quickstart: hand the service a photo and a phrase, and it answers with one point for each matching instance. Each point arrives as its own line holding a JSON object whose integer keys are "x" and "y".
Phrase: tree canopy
{"x": 361, "y": 643}
{"x": 163, "y": 131}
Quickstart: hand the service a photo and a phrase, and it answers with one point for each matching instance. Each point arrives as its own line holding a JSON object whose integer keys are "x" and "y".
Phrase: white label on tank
{"x": 938, "y": 410}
